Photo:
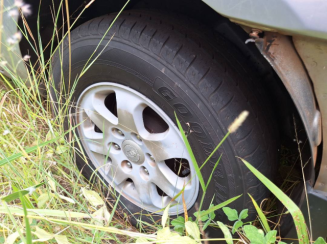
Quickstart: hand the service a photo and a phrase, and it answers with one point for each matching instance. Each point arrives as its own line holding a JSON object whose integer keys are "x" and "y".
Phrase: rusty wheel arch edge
{"x": 282, "y": 55}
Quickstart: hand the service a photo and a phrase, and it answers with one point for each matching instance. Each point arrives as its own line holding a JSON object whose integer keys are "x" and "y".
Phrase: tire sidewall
{"x": 136, "y": 68}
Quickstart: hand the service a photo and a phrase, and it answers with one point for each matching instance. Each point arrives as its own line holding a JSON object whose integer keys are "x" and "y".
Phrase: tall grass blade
{"x": 189, "y": 149}
{"x": 261, "y": 215}
{"x": 20, "y": 194}
{"x": 15, "y": 211}
{"x": 294, "y": 210}
{"x": 27, "y": 223}
{"x": 213, "y": 170}
{"x": 114, "y": 209}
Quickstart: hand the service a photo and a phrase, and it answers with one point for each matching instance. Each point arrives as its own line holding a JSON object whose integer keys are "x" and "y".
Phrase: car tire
{"x": 182, "y": 67}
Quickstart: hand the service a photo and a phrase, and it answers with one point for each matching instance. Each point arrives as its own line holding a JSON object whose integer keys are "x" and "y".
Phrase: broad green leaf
{"x": 271, "y": 237}
{"x": 166, "y": 236}
{"x": 61, "y": 239}
{"x": 192, "y": 229}
{"x": 243, "y": 214}
{"x": 261, "y": 232}
{"x": 23, "y": 192}
{"x": 296, "y": 213}
{"x": 231, "y": 213}
{"x": 178, "y": 222}
{"x": 98, "y": 216}
{"x": 320, "y": 240}
{"x": 226, "y": 232}
{"x": 92, "y": 197}
{"x": 12, "y": 238}
{"x": 42, "y": 199}
{"x": 107, "y": 216}
{"x": 189, "y": 150}
{"x": 180, "y": 230}
{"x": 237, "y": 225}
{"x": 163, "y": 234}
{"x": 165, "y": 216}
{"x": 254, "y": 235}
{"x": 203, "y": 217}
{"x": 219, "y": 206}
{"x": 262, "y": 216}
{"x": 42, "y": 234}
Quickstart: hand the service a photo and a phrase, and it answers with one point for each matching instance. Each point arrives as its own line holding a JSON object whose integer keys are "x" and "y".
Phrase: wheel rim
{"x": 136, "y": 147}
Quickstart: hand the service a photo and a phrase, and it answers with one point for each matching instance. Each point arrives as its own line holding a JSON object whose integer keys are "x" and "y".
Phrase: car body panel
{"x": 291, "y": 17}
{"x": 313, "y": 53}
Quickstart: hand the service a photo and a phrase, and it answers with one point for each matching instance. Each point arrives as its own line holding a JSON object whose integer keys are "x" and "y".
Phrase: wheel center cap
{"x": 133, "y": 151}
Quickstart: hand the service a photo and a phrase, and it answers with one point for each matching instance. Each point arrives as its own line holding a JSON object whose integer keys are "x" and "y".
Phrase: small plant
{"x": 233, "y": 216}
{"x": 257, "y": 236}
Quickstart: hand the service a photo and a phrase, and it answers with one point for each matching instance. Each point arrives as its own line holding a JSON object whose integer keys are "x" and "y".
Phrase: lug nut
{"x": 146, "y": 171}
{"x": 116, "y": 146}
{"x": 119, "y": 132}
{"x": 152, "y": 158}
{"x": 138, "y": 137}
{"x": 129, "y": 165}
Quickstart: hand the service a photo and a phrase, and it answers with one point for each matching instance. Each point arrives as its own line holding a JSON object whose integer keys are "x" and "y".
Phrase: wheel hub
{"x": 133, "y": 151}
{"x": 136, "y": 147}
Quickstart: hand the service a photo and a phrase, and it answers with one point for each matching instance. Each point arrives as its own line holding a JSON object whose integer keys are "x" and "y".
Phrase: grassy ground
{"x": 25, "y": 123}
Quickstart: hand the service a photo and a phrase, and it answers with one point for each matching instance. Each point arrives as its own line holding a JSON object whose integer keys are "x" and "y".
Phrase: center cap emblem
{"x": 133, "y": 151}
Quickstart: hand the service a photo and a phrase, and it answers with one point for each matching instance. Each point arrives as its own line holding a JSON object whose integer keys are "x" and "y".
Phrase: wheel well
{"x": 284, "y": 107}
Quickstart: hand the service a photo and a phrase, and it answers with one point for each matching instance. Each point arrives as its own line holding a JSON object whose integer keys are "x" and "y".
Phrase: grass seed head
{"x": 238, "y": 122}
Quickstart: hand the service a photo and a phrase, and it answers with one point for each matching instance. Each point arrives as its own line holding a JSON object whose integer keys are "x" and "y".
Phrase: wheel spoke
{"x": 98, "y": 120}
{"x": 99, "y": 114}
{"x": 88, "y": 130}
{"x": 165, "y": 145}
{"x": 129, "y": 110}
{"x": 157, "y": 200}
{"x": 143, "y": 189}
{"x": 170, "y": 184}
{"x": 171, "y": 177}
{"x": 117, "y": 174}
{"x": 98, "y": 146}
